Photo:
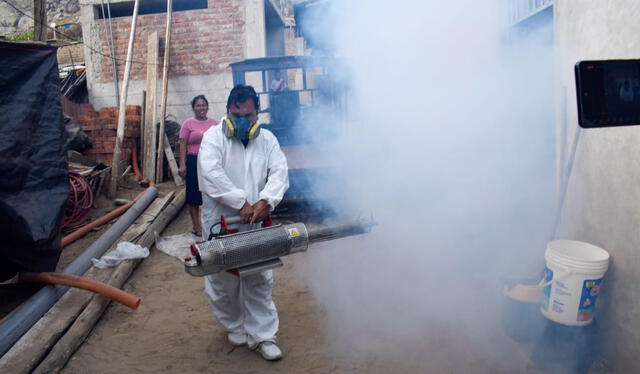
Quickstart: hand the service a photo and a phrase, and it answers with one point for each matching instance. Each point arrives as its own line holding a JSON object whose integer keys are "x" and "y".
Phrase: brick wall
{"x": 101, "y": 126}
{"x": 203, "y": 41}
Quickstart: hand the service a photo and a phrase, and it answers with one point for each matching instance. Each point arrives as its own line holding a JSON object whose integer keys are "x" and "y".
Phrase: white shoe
{"x": 237, "y": 339}
{"x": 270, "y": 351}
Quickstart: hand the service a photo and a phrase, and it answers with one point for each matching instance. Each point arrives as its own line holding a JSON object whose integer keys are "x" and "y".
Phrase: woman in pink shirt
{"x": 191, "y": 134}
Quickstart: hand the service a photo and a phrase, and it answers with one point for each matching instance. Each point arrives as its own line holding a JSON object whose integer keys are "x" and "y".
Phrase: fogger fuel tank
{"x": 260, "y": 249}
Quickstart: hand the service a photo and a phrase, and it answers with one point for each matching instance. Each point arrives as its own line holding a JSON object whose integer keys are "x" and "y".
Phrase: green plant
{"x": 25, "y": 36}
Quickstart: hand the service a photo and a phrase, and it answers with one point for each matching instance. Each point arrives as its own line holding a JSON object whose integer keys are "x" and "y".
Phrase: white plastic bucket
{"x": 573, "y": 275}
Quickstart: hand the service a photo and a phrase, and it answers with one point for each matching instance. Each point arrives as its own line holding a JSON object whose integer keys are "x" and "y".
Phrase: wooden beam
{"x": 151, "y": 117}
{"x": 40, "y": 21}
{"x": 113, "y": 184}
{"x": 173, "y": 166}
{"x": 165, "y": 83}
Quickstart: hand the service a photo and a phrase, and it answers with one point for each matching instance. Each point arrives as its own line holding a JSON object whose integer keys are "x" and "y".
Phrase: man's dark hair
{"x": 241, "y": 93}
{"x": 195, "y": 99}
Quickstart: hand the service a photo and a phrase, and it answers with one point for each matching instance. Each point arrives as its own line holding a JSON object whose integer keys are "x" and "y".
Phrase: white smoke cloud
{"x": 449, "y": 143}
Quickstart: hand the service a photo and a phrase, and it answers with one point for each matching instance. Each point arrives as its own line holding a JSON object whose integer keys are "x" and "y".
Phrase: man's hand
{"x": 260, "y": 211}
{"x": 246, "y": 213}
{"x": 182, "y": 171}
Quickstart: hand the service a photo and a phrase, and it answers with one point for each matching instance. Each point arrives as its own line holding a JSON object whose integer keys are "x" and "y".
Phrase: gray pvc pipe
{"x": 18, "y": 323}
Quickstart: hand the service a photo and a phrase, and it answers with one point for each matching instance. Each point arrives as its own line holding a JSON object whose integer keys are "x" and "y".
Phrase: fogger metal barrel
{"x": 263, "y": 245}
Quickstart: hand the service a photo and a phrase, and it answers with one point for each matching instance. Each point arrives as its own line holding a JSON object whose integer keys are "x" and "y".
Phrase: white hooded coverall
{"x": 228, "y": 175}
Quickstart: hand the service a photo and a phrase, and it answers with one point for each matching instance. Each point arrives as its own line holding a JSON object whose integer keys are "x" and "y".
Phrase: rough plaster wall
{"x": 603, "y": 201}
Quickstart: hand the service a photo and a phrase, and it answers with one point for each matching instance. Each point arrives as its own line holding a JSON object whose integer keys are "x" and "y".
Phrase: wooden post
{"x": 40, "y": 20}
{"x": 151, "y": 118}
{"x": 113, "y": 184}
{"x": 163, "y": 105}
{"x": 173, "y": 165}
{"x": 143, "y": 115}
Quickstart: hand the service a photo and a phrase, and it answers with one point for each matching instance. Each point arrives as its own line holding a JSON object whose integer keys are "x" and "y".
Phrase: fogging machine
{"x": 248, "y": 252}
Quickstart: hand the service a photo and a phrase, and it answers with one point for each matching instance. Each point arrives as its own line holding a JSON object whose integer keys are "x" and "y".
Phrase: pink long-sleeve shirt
{"x": 193, "y": 130}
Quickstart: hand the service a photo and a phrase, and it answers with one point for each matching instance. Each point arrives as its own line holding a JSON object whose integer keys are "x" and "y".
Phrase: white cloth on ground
{"x": 123, "y": 251}
{"x": 177, "y": 246}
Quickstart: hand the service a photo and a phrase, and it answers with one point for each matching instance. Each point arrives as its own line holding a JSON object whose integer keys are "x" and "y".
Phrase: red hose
{"x": 134, "y": 163}
{"x": 79, "y": 202}
{"x": 102, "y": 220}
{"x": 105, "y": 290}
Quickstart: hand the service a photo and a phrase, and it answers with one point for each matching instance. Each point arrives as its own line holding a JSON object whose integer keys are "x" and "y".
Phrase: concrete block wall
{"x": 602, "y": 201}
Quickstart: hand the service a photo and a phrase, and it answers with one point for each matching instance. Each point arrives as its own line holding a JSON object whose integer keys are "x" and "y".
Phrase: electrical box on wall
{"x": 608, "y": 93}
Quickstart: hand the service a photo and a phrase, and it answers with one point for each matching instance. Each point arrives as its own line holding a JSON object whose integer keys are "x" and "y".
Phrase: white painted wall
{"x": 603, "y": 201}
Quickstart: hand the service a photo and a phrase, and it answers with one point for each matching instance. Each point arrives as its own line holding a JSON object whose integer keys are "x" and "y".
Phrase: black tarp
{"x": 34, "y": 184}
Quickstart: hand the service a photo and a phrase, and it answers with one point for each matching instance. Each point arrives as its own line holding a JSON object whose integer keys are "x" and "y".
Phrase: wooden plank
{"x": 115, "y": 164}
{"x": 151, "y": 117}
{"x": 163, "y": 102}
{"x": 142, "y": 120}
{"x": 78, "y": 332}
{"x": 173, "y": 166}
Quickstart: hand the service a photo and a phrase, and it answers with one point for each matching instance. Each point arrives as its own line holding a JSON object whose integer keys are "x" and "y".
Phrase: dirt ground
{"x": 174, "y": 331}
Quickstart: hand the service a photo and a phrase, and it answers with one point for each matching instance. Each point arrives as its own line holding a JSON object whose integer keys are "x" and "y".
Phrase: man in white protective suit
{"x": 242, "y": 171}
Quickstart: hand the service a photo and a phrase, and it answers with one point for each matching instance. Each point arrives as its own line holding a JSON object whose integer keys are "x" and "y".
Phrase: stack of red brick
{"x": 101, "y": 126}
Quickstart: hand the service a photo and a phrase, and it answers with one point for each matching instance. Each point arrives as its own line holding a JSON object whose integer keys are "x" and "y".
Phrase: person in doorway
{"x": 278, "y": 83}
{"x": 191, "y": 134}
{"x": 242, "y": 172}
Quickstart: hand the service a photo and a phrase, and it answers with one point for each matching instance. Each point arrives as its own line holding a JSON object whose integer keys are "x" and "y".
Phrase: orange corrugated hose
{"x": 100, "y": 221}
{"x": 105, "y": 290}
{"x": 134, "y": 163}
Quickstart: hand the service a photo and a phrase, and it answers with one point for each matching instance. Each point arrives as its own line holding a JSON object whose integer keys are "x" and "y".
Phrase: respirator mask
{"x": 241, "y": 129}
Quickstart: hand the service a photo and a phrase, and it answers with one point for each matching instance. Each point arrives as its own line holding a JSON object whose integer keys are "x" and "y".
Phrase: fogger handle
{"x": 233, "y": 220}
{"x": 237, "y": 219}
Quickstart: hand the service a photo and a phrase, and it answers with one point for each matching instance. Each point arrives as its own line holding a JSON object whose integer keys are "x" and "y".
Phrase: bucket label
{"x": 546, "y": 293}
{"x": 590, "y": 291}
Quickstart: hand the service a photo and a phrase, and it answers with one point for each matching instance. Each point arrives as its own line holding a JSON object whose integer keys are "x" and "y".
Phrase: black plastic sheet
{"x": 34, "y": 182}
